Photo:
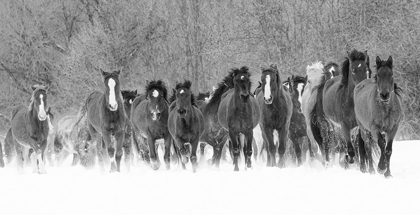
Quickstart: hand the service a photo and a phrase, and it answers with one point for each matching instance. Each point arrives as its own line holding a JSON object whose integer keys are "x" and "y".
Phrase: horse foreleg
{"x": 362, "y": 151}
{"x": 119, "y": 139}
{"x": 369, "y": 151}
{"x": 235, "y": 148}
{"x": 298, "y": 150}
{"x": 350, "y": 150}
{"x": 268, "y": 142}
{"x": 248, "y": 148}
{"x": 377, "y": 137}
{"x": 193, "y": 156}
{"x": 283, "y": 135}
{"x": 154, "y": 159}
{"x": 167, "y": 155}
{"x": 389, "y": 139}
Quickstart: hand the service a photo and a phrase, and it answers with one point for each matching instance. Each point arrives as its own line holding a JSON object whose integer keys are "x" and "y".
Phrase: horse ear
{"x": 118, "y": 72}
{"x": 33, "y": 87}
{"x": 46, "y": 88}
{"x": 378, "y": 61}
{"x": 390, "y": 60}
{"x": 366, "y": 57}
{"x": 135, "y": 92}
{"x": 348, "y": 56}
{"x": 103, "y": 73}
{"x": 274, "y": 66}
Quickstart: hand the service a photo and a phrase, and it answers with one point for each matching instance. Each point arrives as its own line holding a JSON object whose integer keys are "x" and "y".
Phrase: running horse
{"x": 337, "y": 98}
{"x": 239, "y": 114}
{"x": 276, "y": 110}
{"x": 30, "y": 128}
{"x": 185, "y": 123}
{"x": 106, "y": 119}
{"x": 149, "y": 118}
{"x": 378, "y": 110}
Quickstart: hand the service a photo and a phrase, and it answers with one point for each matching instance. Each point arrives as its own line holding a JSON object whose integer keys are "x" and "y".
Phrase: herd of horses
{"x": 324, "y": 106}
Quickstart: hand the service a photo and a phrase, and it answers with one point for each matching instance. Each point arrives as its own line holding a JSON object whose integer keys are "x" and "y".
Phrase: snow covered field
{"x": 310, "y": 189}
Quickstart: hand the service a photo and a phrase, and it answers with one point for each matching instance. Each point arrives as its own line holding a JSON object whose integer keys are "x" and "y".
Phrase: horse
{"x": 337, "y": 98}
{"x": 128, "y": 97}
{"x": 214, "y": 134}
{"x": 297, "y": 128}
{"x": 378, "y": 110}
{"x": 30, "y": 128}
{"x": 331, "y": 70}
{"x": 239, "y": 114}
{"x": 149, "y": 118}
{"x": 185, "y": 123}
{"x": 106, "y": 119}
{"x": 76, "y": 140}
{"x": 276, "y": 110}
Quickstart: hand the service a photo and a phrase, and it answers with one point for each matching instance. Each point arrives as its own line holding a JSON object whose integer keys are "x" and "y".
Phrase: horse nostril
{"x": 384, "y": 96}
{"x": 182, "y": 111}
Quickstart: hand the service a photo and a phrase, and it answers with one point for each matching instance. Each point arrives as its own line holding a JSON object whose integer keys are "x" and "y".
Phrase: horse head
{"x": 270, "y": 83}
{"x": 359, "y": 65}
{"x": 157, "y": 94}
{"x": 297, "y": 84}
{"x": 384, "y": 79}
{"x": 242, "y": 83}
{"x": 331, "y": 70}
{"x": 39, "y": 101}
{"x": 314, "y": 75}
{"x": 128, "y": 97}
{"x": 184, "y": 98}
{"x": 112, "y": 91}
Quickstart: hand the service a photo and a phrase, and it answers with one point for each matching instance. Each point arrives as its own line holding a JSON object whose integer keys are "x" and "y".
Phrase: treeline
{"x": 63, "y": 43}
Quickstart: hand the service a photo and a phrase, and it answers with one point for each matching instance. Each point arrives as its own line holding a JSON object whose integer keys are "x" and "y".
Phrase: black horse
{"x": 378, "y": 110}
{"x": 276, "y": 111}
{"x": 337, "y": 98}
{"x": 149, "y": 117}
{"x": 239, "y": 114}
{"x": 30, "y": 129}
{"x": 128, "y": 97}
{"x": 297, "y": 129}
{"x": 214, "y": 134}
{"x": 186, "y": 123}
{"x": 106, "y": 120}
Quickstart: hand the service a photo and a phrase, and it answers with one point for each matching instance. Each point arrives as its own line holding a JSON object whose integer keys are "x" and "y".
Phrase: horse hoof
{"x": 155, "y": 165}
{"x": 388, "y": 175}
{"x": 185, "y": 160}
{"x": 168, "y": 166}
{"x": 381, "y": 171}
{"x": 349, "y": 160}
{"x": 236, "y": 169}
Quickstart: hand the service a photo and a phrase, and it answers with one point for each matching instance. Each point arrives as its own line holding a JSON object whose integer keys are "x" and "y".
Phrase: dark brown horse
{"x": 214, "y": 134}
{"x": 30, "y": 129}
{"x": 337, "y": 98}
{"x": 128, "y": 145}
{"x": 186, "y": 123}
{"x": 297, "y": 129}
{"x": 276, "y": 110}
{"x": 378, "y": 110}
{"x": 106, "y": 120}
{"x": 239, "y": 114}
{"x": 149, "y": 118}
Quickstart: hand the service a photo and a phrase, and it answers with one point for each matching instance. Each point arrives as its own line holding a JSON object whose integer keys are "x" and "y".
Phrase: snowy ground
{"x": 310, "y": 189}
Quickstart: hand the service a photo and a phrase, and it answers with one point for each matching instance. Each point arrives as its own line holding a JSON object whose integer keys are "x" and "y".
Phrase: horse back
{"x": 222, "y": 112}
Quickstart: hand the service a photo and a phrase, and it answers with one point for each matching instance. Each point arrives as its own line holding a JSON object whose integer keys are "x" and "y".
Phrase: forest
{"x": 64, "y": 43}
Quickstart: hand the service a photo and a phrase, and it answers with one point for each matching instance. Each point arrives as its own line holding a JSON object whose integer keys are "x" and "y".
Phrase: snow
{"x": 310, "y": 188}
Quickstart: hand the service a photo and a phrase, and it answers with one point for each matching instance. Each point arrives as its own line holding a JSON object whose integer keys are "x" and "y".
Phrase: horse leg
{"x": 298, "y": 150}
{"x": 362, "y": 151}
{"x": 154, "y": 159}
{"x": 325, "y": 133}
{"x": 389, "y": 139}
{"x": 248, "y": 148}
{"x": 193, "y": 156}
{"x": 40, "y": 153}
{"x": 283, "y": 136}
{"x": 350, "y": 150}
{"x": 235, "y": 148}
{"x": 76, "y": 159}
{"x": 377, "y": 137}
{"x": 19, "y": 156}
{"x": 119, "y": 142}
{"x": 1, "y": 156}
{"x": 369, "y": 151}
{"x": 268, "y": 141}
{"x": 221, "y": 146}
{"x": 167, "y": 155}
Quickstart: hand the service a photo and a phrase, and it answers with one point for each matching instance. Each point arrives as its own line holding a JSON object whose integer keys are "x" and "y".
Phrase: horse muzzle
{"x": 182, "y": 112}
{"x": 42, "y": 117}
{"x": 268, "y": 101}
{"x": 113, "y": 107}
{"x": 244, "y": 98}
{"x": 384, "y": 97}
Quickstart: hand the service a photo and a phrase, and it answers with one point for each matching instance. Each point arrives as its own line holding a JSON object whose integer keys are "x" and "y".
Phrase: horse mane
{"x": 160, "y": 85}
{"x": 299, "y": 79}
{"x": 329, "y": 65}
{"x": 345, "y": 69}
{"x": 226, "y": 83}
{"x": 315, "y": 73}
{"x": 398, "y": 90}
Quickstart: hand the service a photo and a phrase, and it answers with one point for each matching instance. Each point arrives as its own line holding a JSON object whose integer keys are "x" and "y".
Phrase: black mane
{"x": 227, "y": 83}
{"x": 160, "y": 85}
{"x": 345, "y": 69}
{"x": 329, "y": 65}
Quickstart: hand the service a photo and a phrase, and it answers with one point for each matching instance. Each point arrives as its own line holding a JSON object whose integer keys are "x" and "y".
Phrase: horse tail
{"x": 316, "y": 113}
{"x": 14, "y": 112}
{"x": 82, "y": 112}
{"x": 58, "y": 146}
